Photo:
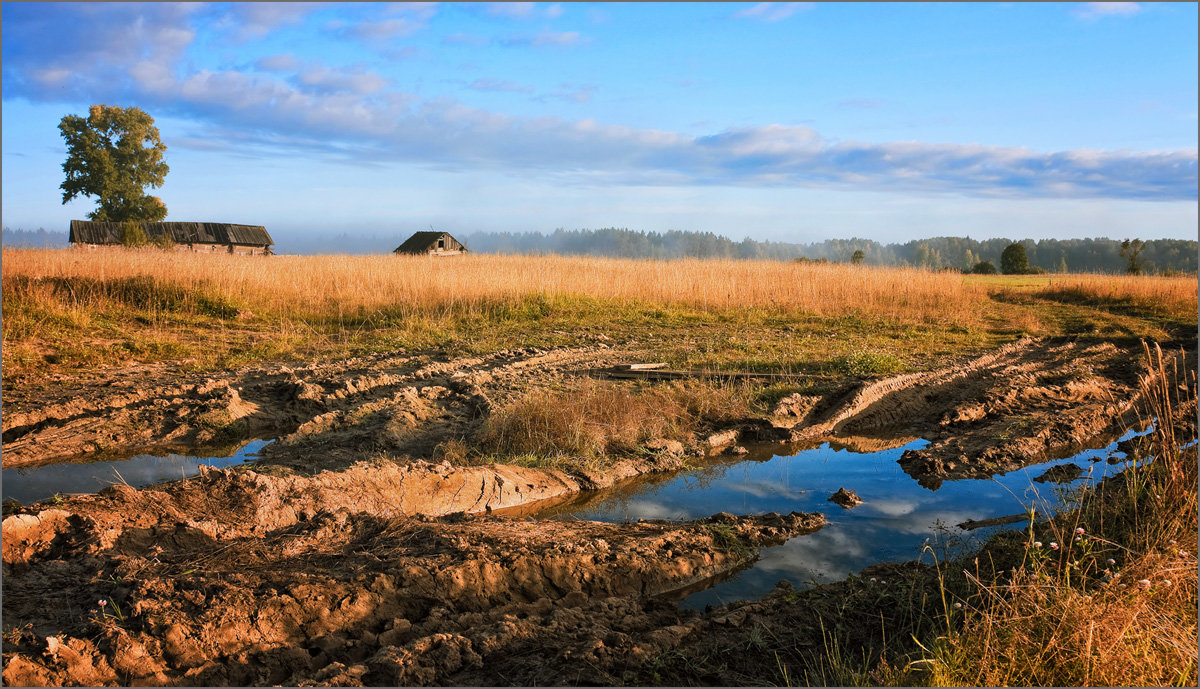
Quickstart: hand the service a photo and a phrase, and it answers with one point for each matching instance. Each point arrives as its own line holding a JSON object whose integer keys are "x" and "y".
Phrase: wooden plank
{"x": 664, "y": 374}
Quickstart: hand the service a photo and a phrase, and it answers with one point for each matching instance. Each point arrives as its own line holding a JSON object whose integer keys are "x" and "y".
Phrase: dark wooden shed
{"x": 432, "y": 243}
{"x": 187, "y": 236}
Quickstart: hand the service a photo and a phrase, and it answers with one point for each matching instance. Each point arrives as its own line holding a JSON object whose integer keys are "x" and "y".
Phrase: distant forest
{"x": 1099, "y": 255}
{"x": 1053, "y": 255}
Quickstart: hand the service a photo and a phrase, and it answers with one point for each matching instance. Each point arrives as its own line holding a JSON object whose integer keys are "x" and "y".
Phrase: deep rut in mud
{"x": 346, "y": 597}
{"x": 328, "y": 415}
{"x": 345, "y": 555}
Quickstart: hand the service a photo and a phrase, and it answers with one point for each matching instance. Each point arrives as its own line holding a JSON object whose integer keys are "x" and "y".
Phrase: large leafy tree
{"x": 1131, "y": 250}
{"x": 114, "y": 154}
{"x": 1013, "y": 260}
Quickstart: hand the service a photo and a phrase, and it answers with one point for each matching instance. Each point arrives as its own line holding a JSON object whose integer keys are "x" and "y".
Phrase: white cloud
{"x": 330, "y": 80}
{"x": 418, "y": 10}
{"x": 499, "y": 85}
{"x": 510, "y": 10}
{"x": 384, "y": 30}
{"x": 285, "y": 62}
{"x": 522, "y": 10}
{"x": 570, "y": 93}
{"x": 395, "y": 20}
{"x": 560, "y": 39}
{"x": 257, "y": 19}
{"x": 773, "y": 11}
{"x": 1098, "y": 10}
{"x": 53, "y": 76}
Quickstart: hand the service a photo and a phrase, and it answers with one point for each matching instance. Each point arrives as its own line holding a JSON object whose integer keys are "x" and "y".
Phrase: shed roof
{"x": 101, "y": 232}
{"x": 420, "y": 242}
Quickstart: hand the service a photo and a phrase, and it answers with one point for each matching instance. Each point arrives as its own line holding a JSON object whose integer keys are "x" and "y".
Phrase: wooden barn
{"x": 431, "y": 243}
{"x": 206, "y": 237}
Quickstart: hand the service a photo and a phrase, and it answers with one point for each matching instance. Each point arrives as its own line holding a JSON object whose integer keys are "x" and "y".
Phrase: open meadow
{"x": 485, "y": 470}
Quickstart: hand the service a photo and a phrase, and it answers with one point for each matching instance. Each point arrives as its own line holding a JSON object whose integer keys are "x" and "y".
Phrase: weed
{"x": 104, "y": 616}
{"x": 725, "y": 537}
{"x": 865, "y": 362}
{"x": 15, "y": 635}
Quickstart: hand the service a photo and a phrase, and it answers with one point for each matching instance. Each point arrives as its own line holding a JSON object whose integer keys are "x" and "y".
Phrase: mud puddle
{"x": 30, "y": 484}
{"x": 897, "y": 518}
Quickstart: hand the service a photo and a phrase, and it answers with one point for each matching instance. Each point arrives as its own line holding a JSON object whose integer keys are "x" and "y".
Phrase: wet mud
{"x": 1022, "y": 403}
{"x": 348, "y": 598}
{"x": 349, "y": 554}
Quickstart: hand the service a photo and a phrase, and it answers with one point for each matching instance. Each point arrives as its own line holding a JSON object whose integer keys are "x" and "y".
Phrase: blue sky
{"x": 783, "y": 121}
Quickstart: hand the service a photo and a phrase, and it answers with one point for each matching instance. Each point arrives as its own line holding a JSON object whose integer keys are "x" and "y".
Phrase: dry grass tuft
{"x": 596, "y": 419}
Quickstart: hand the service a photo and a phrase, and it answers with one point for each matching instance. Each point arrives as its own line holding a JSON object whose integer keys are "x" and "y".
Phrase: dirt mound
{"x": 355, "y": 598}
{"x": 1012, "y": 407}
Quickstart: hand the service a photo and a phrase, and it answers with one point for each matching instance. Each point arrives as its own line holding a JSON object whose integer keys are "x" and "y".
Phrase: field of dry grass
{"x": 311, "y": 285}
{"x": 79, "y": 309}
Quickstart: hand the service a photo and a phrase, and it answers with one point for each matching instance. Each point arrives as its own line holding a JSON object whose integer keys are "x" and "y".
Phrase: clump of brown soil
{"x": 348, "y": 597}
{"x": 845, "y": 498}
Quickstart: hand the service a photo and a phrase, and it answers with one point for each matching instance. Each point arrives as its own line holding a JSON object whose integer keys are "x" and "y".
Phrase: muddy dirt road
{"x": 999, "y": 410}
{"x": 350, "y": 555}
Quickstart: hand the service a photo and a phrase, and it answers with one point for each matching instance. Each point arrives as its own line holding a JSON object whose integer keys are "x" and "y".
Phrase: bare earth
{"x": 349, "y": 555}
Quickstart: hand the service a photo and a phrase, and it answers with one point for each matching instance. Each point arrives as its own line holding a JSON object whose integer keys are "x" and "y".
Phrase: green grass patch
{"x": 866, "y": 362}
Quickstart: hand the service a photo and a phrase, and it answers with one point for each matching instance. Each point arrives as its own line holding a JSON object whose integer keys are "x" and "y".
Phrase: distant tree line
{"x": 1098, "y": 255}
{"x": 38, "y": 238}
{"x": 954, "y": 253}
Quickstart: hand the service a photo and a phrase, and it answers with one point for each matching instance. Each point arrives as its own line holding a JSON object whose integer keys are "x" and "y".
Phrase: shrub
{"x": 984, "y": 268}
{"x": 865, "y": 362}
{"x": 133, "y": 235}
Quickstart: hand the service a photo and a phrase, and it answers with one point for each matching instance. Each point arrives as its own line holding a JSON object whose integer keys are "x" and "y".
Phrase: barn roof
{"x": 421, "y": 242}
{"x": 100, "y": 232}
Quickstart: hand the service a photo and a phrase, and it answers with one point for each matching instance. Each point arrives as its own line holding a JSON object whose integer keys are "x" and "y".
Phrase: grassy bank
{"x": 71, "y": 309}
{"x": 1103, "y": 594}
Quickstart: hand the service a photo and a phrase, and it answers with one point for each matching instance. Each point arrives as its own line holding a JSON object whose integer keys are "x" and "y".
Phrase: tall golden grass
{"x": 310, "y": 284}
{"x": 82, "y": 307}
{"x": 585, "y": 425}
{"x": 1172, "y": 295}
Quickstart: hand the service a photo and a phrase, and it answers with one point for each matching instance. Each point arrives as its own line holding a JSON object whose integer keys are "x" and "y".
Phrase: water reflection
{"x": 39, "y": 483}
{"x": 897, "y": 519}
